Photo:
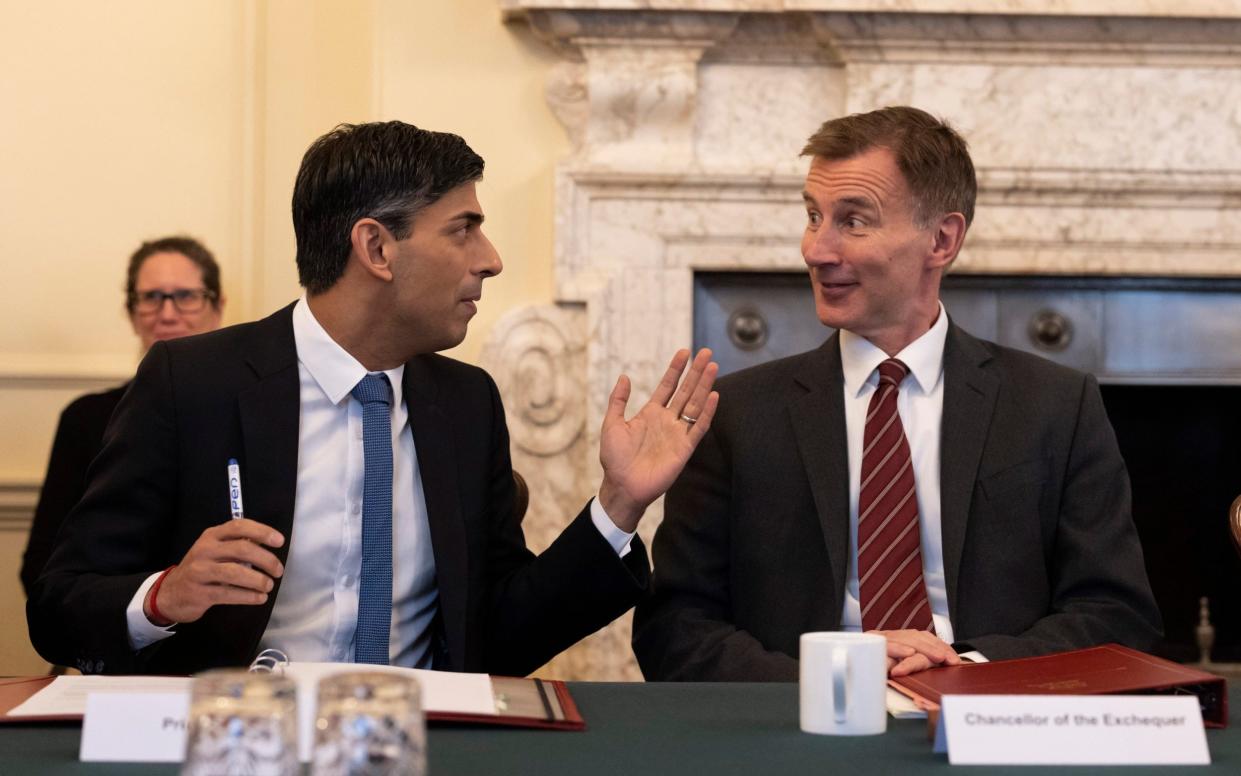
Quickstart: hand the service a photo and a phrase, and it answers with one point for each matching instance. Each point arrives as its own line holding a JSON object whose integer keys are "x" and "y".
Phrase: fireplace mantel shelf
{"x": 1167, "y": 8}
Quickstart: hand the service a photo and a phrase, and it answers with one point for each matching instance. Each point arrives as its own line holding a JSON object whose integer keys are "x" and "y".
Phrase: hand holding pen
{"x": 228, "y": 564}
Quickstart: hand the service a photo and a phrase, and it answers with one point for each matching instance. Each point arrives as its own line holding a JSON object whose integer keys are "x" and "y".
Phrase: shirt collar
{"x": 330, "y": 365}
{"x": 859, "y": 358}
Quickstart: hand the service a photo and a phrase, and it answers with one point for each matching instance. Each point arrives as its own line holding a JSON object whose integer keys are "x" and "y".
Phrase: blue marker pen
{"x": 234, "y": 489}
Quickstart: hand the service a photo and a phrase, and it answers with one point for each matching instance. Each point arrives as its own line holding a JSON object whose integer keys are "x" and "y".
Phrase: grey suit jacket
{"x": 1040, "y": 551}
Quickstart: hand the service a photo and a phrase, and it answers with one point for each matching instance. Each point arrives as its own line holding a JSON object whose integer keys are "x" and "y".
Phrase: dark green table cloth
{"x": 646, "y": 730}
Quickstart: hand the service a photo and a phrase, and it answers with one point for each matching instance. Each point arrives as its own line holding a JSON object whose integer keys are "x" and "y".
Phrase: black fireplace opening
{"x": 1182, "y": 447}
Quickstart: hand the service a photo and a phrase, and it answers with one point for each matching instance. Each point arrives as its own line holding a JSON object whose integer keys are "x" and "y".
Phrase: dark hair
{"x": 934, "y": 159}
{"x": 386, "y": 171}
{"x": 186, "y": 246}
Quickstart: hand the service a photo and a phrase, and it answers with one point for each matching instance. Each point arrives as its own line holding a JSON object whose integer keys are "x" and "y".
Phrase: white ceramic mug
{"x": 844, "y": 683}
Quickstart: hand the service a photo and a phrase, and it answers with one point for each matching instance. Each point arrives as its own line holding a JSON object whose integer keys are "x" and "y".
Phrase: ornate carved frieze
{"x": 1016, "y": 39}
{"x": 536, "y": 361}
{"x": 637, "y": 73}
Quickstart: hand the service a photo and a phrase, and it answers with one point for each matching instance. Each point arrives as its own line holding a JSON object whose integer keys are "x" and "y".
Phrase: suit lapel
{"x": 970, "y": 391}
{"x": 818, "y": 418}
{"x": 269, "y": 412}
{"x": 437, "y": 462}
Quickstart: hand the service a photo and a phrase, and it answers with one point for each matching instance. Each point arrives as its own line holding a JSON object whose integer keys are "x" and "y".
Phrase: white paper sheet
{"x": 66, "y": 695}
{"x": 442, "y": 691}
{"x": 901, "y": 706}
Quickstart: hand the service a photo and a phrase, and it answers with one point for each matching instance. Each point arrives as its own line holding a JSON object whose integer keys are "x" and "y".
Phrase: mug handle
{"x": 840, "y": 683}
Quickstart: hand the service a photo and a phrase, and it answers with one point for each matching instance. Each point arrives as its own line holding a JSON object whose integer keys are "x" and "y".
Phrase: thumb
{"x": 617, "y": 402}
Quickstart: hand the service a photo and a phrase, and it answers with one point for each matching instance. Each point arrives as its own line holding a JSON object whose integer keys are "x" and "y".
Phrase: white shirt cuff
{"x": 143, "y": 632}
{"x": 974, "y": 656}
{"x": 616, "y": 537}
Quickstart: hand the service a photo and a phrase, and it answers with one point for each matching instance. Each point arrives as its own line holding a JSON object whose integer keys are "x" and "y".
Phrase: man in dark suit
{"x": 378, "y": 519}
{"x": 961, "y": 498}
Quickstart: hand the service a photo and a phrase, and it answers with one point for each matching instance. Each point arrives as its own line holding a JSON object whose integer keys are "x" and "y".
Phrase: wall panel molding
{"x": 17, "y": 503}
{"x": 26, "y": 371}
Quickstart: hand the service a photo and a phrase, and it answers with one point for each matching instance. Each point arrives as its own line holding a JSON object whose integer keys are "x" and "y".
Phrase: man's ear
{"x": 947, "y": 237}
{"x": 370, "y": 249}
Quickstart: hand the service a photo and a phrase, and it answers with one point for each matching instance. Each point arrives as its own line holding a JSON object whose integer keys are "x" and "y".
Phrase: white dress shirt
{"x": 920, "y": 404}
{"x": 315, "y": 614}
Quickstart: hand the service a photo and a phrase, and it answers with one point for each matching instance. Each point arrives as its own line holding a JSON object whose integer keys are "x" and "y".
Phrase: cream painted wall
{"x": 454, "y": 67}
{"x": 131, "y": 119}
{"x": 121, "y": 123}
{"x": 317, "y": 68}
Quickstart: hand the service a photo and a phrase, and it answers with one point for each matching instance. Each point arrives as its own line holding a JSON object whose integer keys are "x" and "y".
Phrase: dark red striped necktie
{"x": 891, "y": 590}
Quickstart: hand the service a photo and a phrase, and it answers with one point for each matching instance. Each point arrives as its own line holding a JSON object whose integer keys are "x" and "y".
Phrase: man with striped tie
{"x": 961, "y": 498}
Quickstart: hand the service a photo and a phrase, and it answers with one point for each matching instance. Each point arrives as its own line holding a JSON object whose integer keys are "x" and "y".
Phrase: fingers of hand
{"x": 692, "y": 393}
{"x": 697, "y": 402}
{"x": 243, "y": 577}
{"x": 249, "y": 553}
{"x": 699, "y": 429}
{"x": 617, "y": 401}
{"x": 910, "y": 665}
{"x": 211, "y": 573}
{"x": 668, "y": 383}
{"x": 923, "y": 641}
{"x": 210, "y": 549}
{"x": 195, "y": 586}
{"x": 904, "y": 643}
{"x": 244, "y": 528}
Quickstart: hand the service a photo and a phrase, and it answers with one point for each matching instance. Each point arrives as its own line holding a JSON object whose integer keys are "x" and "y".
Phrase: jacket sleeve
{"x": 539, "y": 606}
{"x": 116, "y": 535}
{"x": 72, "y": 451}
{"x": 684, "y": 631}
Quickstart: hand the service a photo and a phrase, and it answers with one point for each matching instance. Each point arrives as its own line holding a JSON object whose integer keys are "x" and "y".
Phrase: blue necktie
{"x": 370, "y": 641}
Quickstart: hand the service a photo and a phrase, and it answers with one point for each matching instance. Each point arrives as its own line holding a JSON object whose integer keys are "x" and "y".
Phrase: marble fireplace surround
{"x": 1106, "y": 133}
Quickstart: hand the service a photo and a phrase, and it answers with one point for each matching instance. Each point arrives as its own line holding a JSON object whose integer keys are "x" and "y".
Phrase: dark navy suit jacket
{"x": 159, "y": 482}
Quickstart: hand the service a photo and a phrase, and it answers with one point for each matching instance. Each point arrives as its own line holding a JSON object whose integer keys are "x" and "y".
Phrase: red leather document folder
{"x": 1107, "y": 670}
{"x": 528, "y": 703}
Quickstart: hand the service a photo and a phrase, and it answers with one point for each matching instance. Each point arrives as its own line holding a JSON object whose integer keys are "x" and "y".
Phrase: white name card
{"x": 146, "y": 727}
{"x": 1072, "y": 730}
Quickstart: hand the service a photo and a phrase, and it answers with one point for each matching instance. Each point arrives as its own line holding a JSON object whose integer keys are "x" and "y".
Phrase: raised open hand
{"x": 642, "y": 456}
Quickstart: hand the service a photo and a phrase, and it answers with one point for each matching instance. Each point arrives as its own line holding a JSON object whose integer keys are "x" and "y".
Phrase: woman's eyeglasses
{"x": 186, "y": 300}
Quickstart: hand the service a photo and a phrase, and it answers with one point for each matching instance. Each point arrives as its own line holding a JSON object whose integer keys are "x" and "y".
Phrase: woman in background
{"x": 172, "y": 289}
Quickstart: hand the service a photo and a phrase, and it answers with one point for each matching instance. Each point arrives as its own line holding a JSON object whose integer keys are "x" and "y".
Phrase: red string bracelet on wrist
{"x": 159, "y": 618}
